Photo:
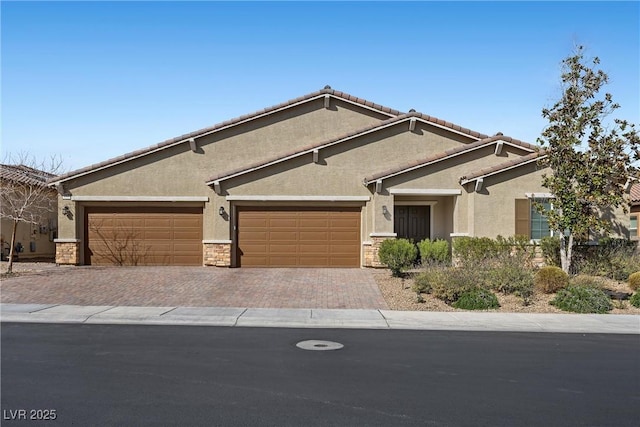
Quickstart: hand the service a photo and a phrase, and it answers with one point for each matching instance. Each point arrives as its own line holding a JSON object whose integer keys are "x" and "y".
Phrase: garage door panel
{"x": 320, "y": 236}
{"x": 322, "y": 223}
{"x": 316, "y": 261}
{"x": 143, "y": 236}
{"x": 254, "y": 261}
{"x": 284, "y": 236}
{"x": 255, "y": 236}
{"x": 282, "y": 261}
{"x": 159, "y": 222}
{"x": 186, "y": 222}
{"x": 157, "y": 234}
{"x": 288, "y": 249}
{"x": 287, "y": 222}
{"x": 313, "y": 249}
{"x": 192, "y": 235}
{"x": 251, "y": 248}
{"x": 299, "y": 237}
{"x": 336, "y": 261}
{"x": 342, "y": 249}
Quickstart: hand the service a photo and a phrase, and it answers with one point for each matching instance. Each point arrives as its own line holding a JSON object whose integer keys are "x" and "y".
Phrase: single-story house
{"x": 25, "y": 195}
{"x": 317, "y": 181}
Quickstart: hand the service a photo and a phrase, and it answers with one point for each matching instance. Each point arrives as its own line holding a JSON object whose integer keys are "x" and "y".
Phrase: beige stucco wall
{"x": 494, "y": 205}
{"x": 179, "y": 172}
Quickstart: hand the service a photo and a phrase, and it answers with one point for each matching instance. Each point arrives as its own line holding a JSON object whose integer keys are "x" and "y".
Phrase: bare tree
{"x": 119, "y": 245}
{"x": 24, "y": 195}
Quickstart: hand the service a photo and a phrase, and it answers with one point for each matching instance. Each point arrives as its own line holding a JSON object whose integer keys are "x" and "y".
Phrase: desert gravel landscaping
{"x": 399, "y": 296}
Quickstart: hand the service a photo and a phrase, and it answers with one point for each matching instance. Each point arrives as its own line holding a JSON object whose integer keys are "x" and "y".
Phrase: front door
{"x": 412, "y": 222}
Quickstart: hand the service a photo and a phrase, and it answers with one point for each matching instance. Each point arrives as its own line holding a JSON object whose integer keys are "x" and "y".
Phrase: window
{"x": 633, "y": 226}
{"x": 539, "y": 223}
{"x": 529, "y": 222}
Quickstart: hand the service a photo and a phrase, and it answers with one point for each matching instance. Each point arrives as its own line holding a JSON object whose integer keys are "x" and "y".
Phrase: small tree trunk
{"x": 566, "y": 252}
{"x": 13, "y": 244}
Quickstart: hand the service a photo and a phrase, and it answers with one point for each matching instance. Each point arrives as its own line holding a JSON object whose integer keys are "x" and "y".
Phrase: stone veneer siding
{"x": 68, "y": 253}
{"x": 217, "y": 254}
{"x": 371, "y": 249}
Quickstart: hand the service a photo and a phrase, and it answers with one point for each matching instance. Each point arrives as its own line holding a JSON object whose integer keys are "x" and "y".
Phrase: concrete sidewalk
{"x": 321, "y": 318}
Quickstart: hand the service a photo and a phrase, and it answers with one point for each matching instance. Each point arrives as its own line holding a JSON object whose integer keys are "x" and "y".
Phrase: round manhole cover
{"x": 319, "y": 345}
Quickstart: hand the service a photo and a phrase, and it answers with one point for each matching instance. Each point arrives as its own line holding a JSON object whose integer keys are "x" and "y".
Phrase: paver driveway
{"x": 196, "y": 287}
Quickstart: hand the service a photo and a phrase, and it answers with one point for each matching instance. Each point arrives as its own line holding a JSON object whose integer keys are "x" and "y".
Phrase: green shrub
{"x": 586, "y": 281}
{"x": 434, "y": 250}
{"x": 518, "y": 246}
{"x": 634, "y": 281}
{"x": 471, "y": 250}
{"x": 580, "y": 299}
{"x": 550, "y": 279}
{"x": 477, "y": 299}
{"x": 635, "y": 300}
{"x": 449, "y": 284}
{"x": 612, "y": 258}
{"x": 422, "y": 282}
{"x": 512, "y": 277}
{"x": 550, "y": 247}
{"x": 397, "y": 254}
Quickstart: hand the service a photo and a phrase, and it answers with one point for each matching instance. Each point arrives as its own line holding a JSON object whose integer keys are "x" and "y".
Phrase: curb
{"x": 321, "y": 318}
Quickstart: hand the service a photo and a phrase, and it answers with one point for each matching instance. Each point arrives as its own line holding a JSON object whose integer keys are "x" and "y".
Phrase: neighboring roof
{"x": 502, "y": 167}
{"x": 634, "y": 194}
{"x": 24, "y": 175}
{"x": 424, "y": 118}
{"x": 447, "y": 154}
{"x": 224, "y": 125}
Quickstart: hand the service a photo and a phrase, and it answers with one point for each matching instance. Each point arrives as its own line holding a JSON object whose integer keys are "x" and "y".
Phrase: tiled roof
{"x": 368, "y": 129}
{"x": 223, "y": 125}
{"x": 502, "y": 167}
{"x": 24, "y": 174}
{"x": 634, "y": 194}
{"x": 446, "y": 155}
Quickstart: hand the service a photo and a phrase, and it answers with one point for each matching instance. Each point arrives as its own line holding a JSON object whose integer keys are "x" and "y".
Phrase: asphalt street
{"x": 218, "y": 376}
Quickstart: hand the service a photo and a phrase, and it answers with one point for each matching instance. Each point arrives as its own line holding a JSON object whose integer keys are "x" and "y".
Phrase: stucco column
{"x": 382, "y": 213}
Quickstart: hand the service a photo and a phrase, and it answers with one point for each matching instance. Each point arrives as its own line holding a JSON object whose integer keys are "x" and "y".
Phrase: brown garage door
{"x": 143, "y": 236}
{"x": 294, "y": 237}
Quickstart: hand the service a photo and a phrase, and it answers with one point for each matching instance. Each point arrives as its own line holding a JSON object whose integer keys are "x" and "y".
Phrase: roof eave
{"x": 474, "y": 177}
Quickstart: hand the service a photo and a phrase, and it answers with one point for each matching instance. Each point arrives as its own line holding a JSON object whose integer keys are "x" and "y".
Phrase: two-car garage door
{"x": 143, "y": 236}
{"x": 266, "y": 237}
{"x": 296, "y": 237}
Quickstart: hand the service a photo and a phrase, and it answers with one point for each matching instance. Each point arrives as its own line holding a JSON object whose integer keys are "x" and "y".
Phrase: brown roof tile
{"x": 24, "y": 174}
{"x": 634, "y": 194}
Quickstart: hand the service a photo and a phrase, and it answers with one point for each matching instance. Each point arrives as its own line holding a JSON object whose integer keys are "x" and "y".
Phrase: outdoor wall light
{"x": 221, "y": 211}
{"x": 385, "y": 211}
{"x": 66, "y": 211}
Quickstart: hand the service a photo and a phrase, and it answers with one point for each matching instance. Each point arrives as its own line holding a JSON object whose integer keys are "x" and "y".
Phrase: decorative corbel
{"x": 327, "y": 101}
{"x": 412, "y": 124}
{"x": 193, "y": 144}
{"x": 379, "y": 186}
{"x": 479, "y": 183}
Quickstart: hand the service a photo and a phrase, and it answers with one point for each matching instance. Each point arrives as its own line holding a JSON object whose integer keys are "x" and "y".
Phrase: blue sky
{"x": 94, "y": 80}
